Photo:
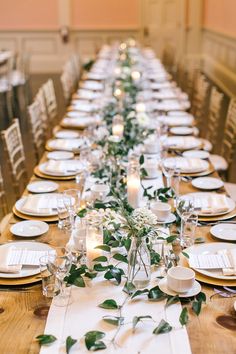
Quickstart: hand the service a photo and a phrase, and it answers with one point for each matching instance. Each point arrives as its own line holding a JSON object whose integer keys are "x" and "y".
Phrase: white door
{"x": 164, "y": 24}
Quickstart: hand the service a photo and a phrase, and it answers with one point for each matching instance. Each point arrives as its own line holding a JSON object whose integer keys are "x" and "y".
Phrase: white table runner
{"x": 84, "y": 315}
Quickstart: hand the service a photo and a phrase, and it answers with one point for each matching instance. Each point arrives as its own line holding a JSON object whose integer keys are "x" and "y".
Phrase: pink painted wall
{"x": 28, "y": 14}
{"x": 220, "y": 15}
{"x": 105, "y": 14}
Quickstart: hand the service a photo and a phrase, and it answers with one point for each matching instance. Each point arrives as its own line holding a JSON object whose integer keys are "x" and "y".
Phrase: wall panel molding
{"x": 219, "y": 59}
{"x": 48, "y": 53}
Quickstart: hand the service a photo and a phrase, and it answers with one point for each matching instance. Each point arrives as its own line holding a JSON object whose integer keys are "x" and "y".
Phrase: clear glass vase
{"x": 139, "y": 263}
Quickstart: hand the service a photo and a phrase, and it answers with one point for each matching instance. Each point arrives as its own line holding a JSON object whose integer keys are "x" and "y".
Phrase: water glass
{"x": 49, "y": 286}
{"x": 72, "y": 203}
{"x": 63, "y": 215}
{"x": 188, "y": 227}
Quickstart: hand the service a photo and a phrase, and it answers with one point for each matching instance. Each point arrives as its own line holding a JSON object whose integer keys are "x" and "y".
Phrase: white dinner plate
{"x": 191, "y": 292}
{"x": 60, "y": 155}
{"x": 67, "y": 144}
{"x": 29, "y": 228}
{"x": 42, "y": 187}
{"x": 197, "y": 153}
{"x": 80, "y": 122}
{"x": 179, "y": 114}
{"x": 182, "y": 130}
{"x": 71, "y": 168}
{"x": 178, "y": 121}
{"x": 204, "y": 196}
{"x": 207, "y": 183}
{"x": 51, "y": 197}
{"x": 187, "y": 165}
{"x": 67, "y": 134}
{"x": 182, "y": 142}
{"x": 26, "y": 271}
{"x": 225, "y": 231}
{"x": 76, "y": 114}
{"x": 211, "y": 248}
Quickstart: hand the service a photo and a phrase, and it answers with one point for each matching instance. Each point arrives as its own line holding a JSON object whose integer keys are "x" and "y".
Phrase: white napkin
{"x": 212, "y": 204}
{"x": 92, "y": 85}
{"x": 66, "y": 144}
{"x": 39, "y": 204}
{"x": 63, "y": 167}
{"x": 82, "y": 122}
{"x": 187, "y": 164}
{"x": 4, "y": 267}
{"x": 182, "y": 142}
{"x": 231, "y": 253}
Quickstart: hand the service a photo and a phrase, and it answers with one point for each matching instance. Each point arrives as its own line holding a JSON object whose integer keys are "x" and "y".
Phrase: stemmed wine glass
{"x": 168, "y": 168}
{"x": 59, "y": 264}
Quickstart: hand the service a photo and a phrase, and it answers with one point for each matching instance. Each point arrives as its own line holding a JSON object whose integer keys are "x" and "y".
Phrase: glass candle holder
{"x": 118, "y": 126}
{"x": 94, "y": 238}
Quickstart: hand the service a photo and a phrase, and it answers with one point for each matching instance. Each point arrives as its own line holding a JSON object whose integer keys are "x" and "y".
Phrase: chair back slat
{"x": 214, "y": 116}
{"x": 36, "y": 124}
{"x": 229, "y": 140}
{"x": 14, "y": 149}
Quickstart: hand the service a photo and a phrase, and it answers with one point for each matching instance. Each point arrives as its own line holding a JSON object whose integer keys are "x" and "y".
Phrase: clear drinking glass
{"x": 63, "y": 215}
{"x": 168, "y": 169}
{"x": 184, "y": 208}
{"x": 49, "y": 286}
{"x": 59, "y": 265}
{"x": 77, "y": 244}
{"x": 72, "y": 203}
{"x": 189, "y": 225}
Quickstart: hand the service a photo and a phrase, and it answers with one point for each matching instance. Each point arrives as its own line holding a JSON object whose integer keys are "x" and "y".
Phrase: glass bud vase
{"x": 139, "y": 263}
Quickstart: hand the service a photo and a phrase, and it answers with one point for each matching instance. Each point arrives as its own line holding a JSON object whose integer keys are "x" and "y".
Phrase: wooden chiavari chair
{"x": 215, "y": 113}
{"x": 200, "y": 99}
{"x": 223, "y": 161}
{"x": 13, "y": 147}
{"x": 36, "y": 124}
{"x": 51, "y": 102}
{"x": 67, "y": 84}
{"x": 4, "y": 217}
{"x": 46, "y": 123}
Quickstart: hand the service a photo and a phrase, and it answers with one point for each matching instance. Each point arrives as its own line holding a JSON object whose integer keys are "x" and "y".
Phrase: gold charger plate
{"x": 199, "y": 174}
{"x": 40, "y": 174}
{"x": 31, "y": 217}
{"x": 227, "y": 216}
{"x": 67, "y": 126}
{"x": 208, "y": 280}
{"x": 21, "y": 281}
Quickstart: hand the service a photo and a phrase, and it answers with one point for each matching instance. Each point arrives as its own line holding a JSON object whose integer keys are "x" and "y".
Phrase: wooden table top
{"x": 23, "y": 314}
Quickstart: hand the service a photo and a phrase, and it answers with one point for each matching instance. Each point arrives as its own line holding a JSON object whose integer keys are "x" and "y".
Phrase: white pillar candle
{"x": 94, "y": 238}
{"x": 134, "y": 187}
{"x": 140, "y": 107}
{"x": 135, "y": 75}
{"x": 118, "y": 130}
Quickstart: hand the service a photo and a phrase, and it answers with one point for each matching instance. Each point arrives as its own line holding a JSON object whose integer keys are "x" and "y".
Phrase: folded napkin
{"x": 4, "y": 257}
{"x": 66, "y": 144}
{"x": 189, "y": 165}
{"x": 181, "y": 142}
{"x": 80, "y": 121}
{"x": 40, "y": 204}
{"x": 231, "y": 253}
{"x": 212, "y": 204}
{"x": 62, "y": 167}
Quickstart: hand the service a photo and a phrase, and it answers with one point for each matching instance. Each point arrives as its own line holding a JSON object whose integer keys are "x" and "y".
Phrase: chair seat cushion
{"x": 231, "y": 190}
{"x": 207, "y": 145}
{"x": 219, "y": 162}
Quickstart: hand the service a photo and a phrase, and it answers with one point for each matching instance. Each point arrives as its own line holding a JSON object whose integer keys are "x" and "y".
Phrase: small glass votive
{"x": 49, "y": 284}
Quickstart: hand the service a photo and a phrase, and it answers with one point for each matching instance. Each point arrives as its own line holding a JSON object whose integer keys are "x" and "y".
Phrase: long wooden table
{"x": 23, "y": 313}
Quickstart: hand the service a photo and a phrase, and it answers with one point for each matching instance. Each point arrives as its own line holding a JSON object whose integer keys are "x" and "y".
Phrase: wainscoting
{"x": 47, "y": 51}
{"x": 219, "y": 59}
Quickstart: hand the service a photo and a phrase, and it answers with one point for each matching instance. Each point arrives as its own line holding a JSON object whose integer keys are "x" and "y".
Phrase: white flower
{"x": 126, "y": 70}
{"x": 131, "y": 115}
{"x": 143, "y": 217}
{"x": 142, "y": 119}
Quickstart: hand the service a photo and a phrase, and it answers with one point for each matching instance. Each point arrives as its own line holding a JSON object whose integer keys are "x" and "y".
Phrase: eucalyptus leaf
{"x": 100, "y": 259}
{"x": 196, "y": 307}
{"x": 45, "y": 339}
{"x": 90, "y": 275}
{"x": 105, "y": 248}
{"x": 163, "y": 327}
{"x": 129, "y": 288}
{"x": 120, "y": 257}
{"x": 69, "y": 343}
{"x": 109, "y": 304}
{"x": 114, "y": 320}
{"x": 137, "y": 319}
{"x": 82, "y": 213}
{"x": 171, "y": 238}
{"x": 156, "y": 294}
{"x": 199, "y": 240}
{"x": 139, "y": 292}
{"x": 172, "y": 300}
{"x": 185, "y": 254}
{"x": 93, "y": 342}
{"x": 183, "y": 318}
{"x": 141, "y": 160}
{"x": 100, "y": 268}
{"x": 201, "y": 297}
